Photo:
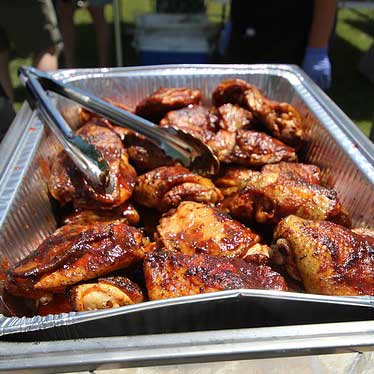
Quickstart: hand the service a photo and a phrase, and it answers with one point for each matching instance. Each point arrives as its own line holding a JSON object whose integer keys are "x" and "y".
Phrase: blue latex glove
{"x": 317, "y": 65}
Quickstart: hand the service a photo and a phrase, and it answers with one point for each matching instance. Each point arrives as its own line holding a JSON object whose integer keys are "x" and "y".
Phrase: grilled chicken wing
{"x": 67, "y": 183}
{"x": 329, "y": 259}
{"x": 281, "y": 119}
{"x": 124, "y": 213}
{"x": 110, "y": 292}
{"x": 170, "y": 274}
{"x": 166, "y": 187}
{"x": 75, "y": 253}
{"x": 155, "y": 106}
{"x": 197, "y": 228}
{"x": 278, "y": 191}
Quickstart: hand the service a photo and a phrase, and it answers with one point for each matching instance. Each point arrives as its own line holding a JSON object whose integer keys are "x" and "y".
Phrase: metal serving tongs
{"x": 191, "y": 152}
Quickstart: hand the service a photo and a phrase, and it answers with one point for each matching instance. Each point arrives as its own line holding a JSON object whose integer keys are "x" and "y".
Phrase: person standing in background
{"x": 287, "y": 31}
{"x": 30, "y": 28}
{"x": 66, "y": 10}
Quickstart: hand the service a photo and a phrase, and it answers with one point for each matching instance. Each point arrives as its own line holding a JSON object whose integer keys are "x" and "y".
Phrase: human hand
{"x": 317, "y": 65}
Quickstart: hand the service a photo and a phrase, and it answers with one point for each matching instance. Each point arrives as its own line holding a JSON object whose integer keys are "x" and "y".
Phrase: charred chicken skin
{"x": 67, "y": 183}
{"x": 75, "y": 253}
{"x": 281, "y": 119}
{"x": 155, "y": 106}
{"x": 197, "y": 228}
{"x": 171, "y": 274}
{"x": 278, "y": 191}
{"x": 327, "y": 258}
{"x": 164, "y": 188}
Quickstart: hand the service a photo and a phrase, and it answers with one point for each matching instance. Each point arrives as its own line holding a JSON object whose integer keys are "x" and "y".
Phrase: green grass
{"x": 354, "y": 34}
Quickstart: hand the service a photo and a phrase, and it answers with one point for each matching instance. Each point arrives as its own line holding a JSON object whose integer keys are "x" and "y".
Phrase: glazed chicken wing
{"x": 75, "y": 253}
{"x": 327, "y": 258}
{"x": 155, "y": 106}
{"x": 67, "y": 183}
{"x": 166, "y": 187}
{"x": 197, "y": 228}
{"x": 278, "y": 191}
{"x": 281, "y": 119}
{"x": 171, "y": 274}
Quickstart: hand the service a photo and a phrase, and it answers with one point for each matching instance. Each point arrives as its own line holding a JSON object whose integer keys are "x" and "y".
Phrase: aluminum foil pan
{"x": 26, "y": 213}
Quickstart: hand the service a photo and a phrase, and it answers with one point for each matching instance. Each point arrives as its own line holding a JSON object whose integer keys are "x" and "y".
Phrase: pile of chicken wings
{"x": 265, "y": 222}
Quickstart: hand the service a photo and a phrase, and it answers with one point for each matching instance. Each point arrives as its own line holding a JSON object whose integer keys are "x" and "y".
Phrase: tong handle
{"x": 84, "y": 155}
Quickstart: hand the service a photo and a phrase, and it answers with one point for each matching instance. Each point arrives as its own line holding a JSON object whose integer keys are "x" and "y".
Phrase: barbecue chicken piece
{"x": 155, "y": 106}
{"x": 250, "y": 148}
{"x": 281, "y": 119}
{"x": 164, "y": 188}
{"x": 191, "y": 118}
{"x": 110, "y": 292}
{"x": 278, "y": 191}
{"x": 125, "y": 213}
{"x": 171, "y": 274}
{"x": 143, "y": 154}
{"x": 327, "y": 258}
{"x": 197, "y": 228}
{"x": 67, "y": 183}
{"x": 74, "y": 253}
{"x": 233, "y": 117}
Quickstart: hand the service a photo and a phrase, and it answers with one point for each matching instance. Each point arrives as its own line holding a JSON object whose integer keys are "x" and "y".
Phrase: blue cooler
{"x": 172, "y": 39}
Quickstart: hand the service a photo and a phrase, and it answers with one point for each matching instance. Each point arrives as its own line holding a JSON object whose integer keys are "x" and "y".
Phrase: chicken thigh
{"x": 327, "y": 258}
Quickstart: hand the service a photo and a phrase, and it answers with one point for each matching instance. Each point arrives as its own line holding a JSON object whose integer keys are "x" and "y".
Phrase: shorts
{"x": 28, "y": 27}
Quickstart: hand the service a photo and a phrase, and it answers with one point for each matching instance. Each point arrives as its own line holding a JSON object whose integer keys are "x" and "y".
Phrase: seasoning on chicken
{"x": 278, "y": 191}
{"x": 327, "y": 258}
{"x": 125, "y": 213}
{"x": 164, "y": 188}
{"x": 67, "y": 183}
{"x": 110, "y": 292}
{"x": 74, "y": 253}
{"x": 281, "y": 119}
{"x": 155, "y": 106}
{"x": 172, "y": 274}
{"x": 198, "y": 228}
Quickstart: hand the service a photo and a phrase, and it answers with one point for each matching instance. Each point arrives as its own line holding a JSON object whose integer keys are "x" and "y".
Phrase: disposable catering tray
{"x": 27, "y": 216}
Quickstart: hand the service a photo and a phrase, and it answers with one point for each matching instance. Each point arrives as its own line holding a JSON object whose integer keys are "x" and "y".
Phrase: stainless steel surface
{"x": 334, "y": 143}
{"x": 84, "y": 155}
{"x": 150, "y": 350}
{"x": 177, "y": 144}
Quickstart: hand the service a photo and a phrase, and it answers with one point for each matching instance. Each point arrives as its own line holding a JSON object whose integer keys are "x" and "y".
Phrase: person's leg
{"x": 45, "y": 60}
{"x": 5, "y": 79}
{"x": 102, "y": 34}
{"x": 67, "y": 27}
